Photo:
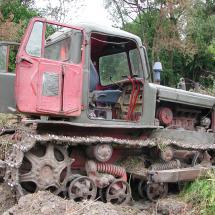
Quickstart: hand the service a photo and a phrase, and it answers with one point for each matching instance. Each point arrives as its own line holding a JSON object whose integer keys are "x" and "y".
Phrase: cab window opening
{"x": 59, "y": 50}
{"x": 116, "y": 79}
{"x": 114, "y": 58}
{"x": 61, "y": 44}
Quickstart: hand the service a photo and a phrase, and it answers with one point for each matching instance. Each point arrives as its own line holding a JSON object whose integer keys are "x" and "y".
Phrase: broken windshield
{"x": 113, "y": 67}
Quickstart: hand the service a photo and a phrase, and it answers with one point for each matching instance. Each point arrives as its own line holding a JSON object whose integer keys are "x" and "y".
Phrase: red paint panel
{"x": 29, "y": 85}
{"x": 26, "y": 96}
{"x": 72, "y": 91}
{"x": 50, "y": 104}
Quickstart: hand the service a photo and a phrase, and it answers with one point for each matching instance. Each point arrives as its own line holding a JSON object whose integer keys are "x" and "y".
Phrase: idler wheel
{"x": 82, "y": 188}
{"x": 155, "y": 191}
{"x": 118, "y": 192}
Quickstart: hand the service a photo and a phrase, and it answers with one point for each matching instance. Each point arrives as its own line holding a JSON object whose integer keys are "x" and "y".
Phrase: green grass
{"x": 201, "y": 194}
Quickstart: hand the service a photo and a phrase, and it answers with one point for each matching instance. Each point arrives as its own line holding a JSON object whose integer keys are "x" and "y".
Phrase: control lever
{"x": 115, "y": 83}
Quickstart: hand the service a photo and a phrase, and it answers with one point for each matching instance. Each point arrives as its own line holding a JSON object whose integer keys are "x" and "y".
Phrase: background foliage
{"x": 179, "y": 33}
{"x": 200, "y": 194}
{"x": 14, "y": 17}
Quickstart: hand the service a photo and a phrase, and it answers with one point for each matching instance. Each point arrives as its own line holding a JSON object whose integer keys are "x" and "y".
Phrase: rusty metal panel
{"x": 38, "y": 89}
{"x": 50, "y": 84}
{"x": 213, "y": 120}
{"x": 7, "y": 98}
{"x": 184, "y": 97}
{"x": 176, "y": 175}
{"x": 3, "y": 58}
{"x": 184, "y": 139}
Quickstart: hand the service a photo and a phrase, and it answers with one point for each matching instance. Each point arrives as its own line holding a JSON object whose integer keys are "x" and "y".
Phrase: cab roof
{"x": 92, "y": 27}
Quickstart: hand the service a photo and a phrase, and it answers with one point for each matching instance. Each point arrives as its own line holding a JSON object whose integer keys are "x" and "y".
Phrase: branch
{"x": 134, "y": 20}
{"x": 119, "y": 12}
{"x": 129, "y": 3}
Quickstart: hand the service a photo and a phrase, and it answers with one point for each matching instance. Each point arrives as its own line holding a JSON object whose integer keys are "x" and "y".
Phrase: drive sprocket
{"x": 38, "y": 166}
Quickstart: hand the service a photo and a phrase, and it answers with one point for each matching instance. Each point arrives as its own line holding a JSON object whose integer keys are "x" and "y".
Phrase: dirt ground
{"x": 45, "y": 203}
{"x": 7, "y": 198}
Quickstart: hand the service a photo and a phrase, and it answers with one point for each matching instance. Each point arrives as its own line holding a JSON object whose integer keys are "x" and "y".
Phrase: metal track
{"x": 14, "y": 161}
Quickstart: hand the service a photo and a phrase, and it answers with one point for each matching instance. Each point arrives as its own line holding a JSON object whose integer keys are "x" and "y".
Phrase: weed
{"x": 201, "y": 194}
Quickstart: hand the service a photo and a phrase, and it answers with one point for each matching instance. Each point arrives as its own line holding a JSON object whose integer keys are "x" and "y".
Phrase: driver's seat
{"x": 108, "y": 97}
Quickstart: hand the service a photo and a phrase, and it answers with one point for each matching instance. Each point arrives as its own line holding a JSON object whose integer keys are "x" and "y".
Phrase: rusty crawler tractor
{"x": 95, "y": 123}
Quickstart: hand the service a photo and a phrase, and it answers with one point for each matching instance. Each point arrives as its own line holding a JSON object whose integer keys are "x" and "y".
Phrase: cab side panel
{"x": 7, "y": 98}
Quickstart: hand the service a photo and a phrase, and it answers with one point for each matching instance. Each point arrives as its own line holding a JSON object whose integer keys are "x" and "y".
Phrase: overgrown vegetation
{"x": 201, "y": 195}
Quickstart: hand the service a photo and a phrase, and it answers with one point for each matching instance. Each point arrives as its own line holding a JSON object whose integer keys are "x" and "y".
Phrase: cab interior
{"x": 115, "y": 79}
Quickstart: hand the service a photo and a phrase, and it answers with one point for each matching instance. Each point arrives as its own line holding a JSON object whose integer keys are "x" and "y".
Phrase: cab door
{"x": 48, "y": 81}
{"x": 7, "y": 76}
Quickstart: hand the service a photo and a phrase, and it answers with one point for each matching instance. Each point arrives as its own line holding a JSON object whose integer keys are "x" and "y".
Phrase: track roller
{"x": 82, "y": 188}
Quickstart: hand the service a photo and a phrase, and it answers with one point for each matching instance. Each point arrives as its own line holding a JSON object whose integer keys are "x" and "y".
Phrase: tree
{"x": 8, "y": 29}
{"x": 126, "y": 11}
{"x": 60, "y": 10}
{"x": 18, "y": 10}
{"x": 14, "y": 17}
{"x": 201, "y": 29}
{"x": 179, "y": 33}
